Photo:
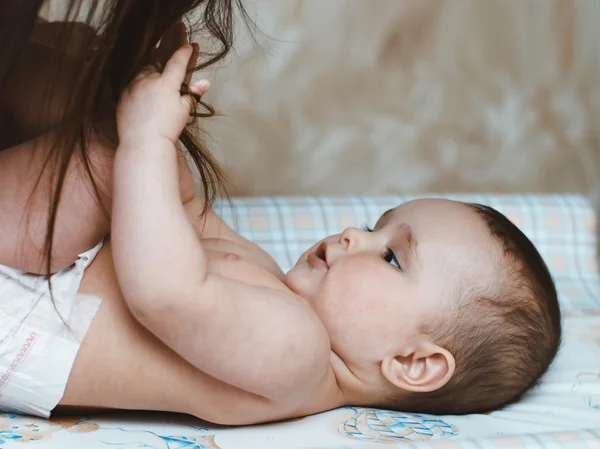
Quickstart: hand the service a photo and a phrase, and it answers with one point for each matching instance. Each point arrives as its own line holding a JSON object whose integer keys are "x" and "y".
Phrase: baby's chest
{"x": 232, "y": 261}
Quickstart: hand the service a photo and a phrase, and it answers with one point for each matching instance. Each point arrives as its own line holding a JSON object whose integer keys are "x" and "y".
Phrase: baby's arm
{"x": 261, "y": 340}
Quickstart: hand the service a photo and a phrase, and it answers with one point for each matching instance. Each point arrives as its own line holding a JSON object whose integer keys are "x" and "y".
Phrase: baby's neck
{"x": 356, "y": 387}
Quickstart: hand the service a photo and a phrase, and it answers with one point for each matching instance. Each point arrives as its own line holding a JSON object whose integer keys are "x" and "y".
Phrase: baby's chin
{"x": 293, "y": 278}
{"x": 303, "y": 280}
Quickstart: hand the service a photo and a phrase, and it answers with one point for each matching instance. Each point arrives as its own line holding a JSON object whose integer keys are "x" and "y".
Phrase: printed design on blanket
{"x": 198, "y": 442}
{"x": 132, "y": 439}
{"x": 593, "y": 401}
{"x": 25, "y": 429}
{"x": 392, "y": 427}
{"x": 29, "y": 429}
{"x": 588, "y": 376}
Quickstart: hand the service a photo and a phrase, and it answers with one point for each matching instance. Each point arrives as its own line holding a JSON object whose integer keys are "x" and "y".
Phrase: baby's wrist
{"x": 145, "y": 142}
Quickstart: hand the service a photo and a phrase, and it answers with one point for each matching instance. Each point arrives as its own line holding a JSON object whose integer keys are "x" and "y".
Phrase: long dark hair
{"x": 124, "y": 40}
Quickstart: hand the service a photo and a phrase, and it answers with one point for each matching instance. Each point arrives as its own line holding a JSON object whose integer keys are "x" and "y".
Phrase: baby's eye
{"x": 391, "y": 258}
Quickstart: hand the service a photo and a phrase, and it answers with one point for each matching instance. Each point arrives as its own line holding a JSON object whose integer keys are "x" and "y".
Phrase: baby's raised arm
{"x": 261, "y": 340}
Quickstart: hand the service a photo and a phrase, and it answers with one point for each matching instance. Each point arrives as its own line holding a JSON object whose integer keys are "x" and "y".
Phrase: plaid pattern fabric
{"x": 585, "y": 439}
{"x": 562, "y": 227}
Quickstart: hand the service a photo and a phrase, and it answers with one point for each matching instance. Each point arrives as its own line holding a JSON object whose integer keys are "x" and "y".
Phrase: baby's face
{"x": 374, "y": 291}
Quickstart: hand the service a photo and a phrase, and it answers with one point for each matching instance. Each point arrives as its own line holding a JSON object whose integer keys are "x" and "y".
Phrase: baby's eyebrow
{"x": 412, "y": 243}
{"x": 412, "y": 255}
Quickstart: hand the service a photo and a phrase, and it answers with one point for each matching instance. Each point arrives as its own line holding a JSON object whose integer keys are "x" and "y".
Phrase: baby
{"x": 442, "y": 307}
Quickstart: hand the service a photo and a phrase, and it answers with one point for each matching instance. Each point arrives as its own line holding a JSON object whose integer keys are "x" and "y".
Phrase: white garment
{"x": 39, "y": 339}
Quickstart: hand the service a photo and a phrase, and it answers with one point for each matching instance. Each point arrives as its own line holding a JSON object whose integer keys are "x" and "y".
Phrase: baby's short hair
{"x": 503, "y": 342}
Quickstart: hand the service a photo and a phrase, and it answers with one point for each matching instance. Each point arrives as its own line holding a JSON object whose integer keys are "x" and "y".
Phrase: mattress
{"x": 563, "y": 412}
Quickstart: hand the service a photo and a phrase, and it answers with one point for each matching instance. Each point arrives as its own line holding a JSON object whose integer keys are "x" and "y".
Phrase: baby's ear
{"x": 425, "y": 369}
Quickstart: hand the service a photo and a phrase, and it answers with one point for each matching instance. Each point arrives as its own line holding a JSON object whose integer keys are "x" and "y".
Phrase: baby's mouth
{"x": 318, "y": 258}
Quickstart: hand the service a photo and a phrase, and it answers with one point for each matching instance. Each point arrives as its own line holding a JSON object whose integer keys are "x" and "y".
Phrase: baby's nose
{"x": 353, "y": 239}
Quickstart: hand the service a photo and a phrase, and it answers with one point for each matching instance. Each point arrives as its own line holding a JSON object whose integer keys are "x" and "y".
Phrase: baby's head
{"x": 444, "y": 307}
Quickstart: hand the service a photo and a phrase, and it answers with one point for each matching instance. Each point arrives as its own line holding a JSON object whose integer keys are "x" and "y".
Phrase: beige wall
{"x": 385, "y": 96}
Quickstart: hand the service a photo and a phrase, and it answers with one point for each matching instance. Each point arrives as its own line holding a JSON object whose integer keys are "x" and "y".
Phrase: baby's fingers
{"x": 176, "y": 68}
{"x": 200, "y": 87}
{"x": 192, "y": 63}
{"x": 197, "y": 89}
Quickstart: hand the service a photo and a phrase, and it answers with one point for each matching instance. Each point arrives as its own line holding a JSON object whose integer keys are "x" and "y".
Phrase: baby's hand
{"x": 153, "y": 107}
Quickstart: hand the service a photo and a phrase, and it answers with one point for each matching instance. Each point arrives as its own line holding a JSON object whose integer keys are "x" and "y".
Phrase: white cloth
{"x": 39, "y": 338}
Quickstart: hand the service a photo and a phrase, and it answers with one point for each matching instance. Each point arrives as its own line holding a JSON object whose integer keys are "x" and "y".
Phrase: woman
{"x": 59, "y": 86}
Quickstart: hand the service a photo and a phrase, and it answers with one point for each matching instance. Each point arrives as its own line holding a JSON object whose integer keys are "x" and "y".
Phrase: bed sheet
{"x": 563, "y": 412}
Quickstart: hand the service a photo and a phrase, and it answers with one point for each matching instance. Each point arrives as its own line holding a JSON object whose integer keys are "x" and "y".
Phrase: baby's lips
{"x": 318, "y": 258}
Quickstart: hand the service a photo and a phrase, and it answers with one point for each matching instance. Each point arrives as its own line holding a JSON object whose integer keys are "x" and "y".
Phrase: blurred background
{"x": 394, "y": 96}
{"x": 346, "y": 97}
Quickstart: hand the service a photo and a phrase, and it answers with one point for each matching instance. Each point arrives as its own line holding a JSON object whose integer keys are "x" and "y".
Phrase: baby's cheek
{"x": 347, "y": 300}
